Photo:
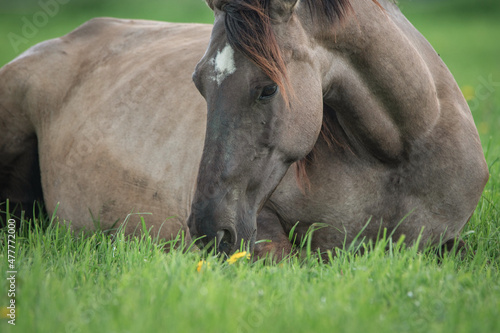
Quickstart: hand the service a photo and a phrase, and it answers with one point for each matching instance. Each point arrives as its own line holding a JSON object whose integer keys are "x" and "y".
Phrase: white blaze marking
{"x": 224, "y": 64}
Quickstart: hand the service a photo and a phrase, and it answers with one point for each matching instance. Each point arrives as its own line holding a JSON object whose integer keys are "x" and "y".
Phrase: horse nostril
{"x": 225, "y": 241}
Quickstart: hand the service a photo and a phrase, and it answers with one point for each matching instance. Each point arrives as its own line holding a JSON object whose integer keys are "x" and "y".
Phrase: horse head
{"x": 265, "y": 103}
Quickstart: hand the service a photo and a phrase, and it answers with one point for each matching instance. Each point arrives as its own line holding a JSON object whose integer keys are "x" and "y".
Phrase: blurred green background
{"x": 465, "y": 33}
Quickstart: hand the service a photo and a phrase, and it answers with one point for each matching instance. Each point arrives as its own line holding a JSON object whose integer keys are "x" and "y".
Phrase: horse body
{"x": 119, "y": 129}
{"x": 372, "y": 115}
{"x": 404, "y": 164}
{"x": 399, "y": 159}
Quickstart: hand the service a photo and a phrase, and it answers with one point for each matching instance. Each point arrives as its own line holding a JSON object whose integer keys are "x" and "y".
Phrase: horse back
{"x": 112, "y": 99}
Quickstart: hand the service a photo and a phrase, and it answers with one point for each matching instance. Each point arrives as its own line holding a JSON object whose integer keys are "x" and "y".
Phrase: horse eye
{"x": 268, "y": 92}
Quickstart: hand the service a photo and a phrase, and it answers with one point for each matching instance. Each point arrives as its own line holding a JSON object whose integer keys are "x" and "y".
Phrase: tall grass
{"x": 112, "y": 283}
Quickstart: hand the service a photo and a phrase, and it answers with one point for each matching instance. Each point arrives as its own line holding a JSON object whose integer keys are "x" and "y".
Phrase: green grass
{"x": 71, "y": 283}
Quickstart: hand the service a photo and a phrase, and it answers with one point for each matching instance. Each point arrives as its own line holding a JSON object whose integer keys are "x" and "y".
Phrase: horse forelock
{"x": 249, "y": 30}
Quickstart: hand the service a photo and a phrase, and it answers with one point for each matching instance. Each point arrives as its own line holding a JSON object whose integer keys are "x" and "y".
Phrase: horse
{"x": 354, "y": 95}
{"x": 329, "y": 112}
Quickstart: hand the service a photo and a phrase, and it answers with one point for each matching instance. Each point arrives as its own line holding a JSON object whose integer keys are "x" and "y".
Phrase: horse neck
{"x": 378, "y": 75}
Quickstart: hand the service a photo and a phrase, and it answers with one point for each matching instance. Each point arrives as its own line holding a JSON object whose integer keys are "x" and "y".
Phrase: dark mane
{"x": 249, "y": 30}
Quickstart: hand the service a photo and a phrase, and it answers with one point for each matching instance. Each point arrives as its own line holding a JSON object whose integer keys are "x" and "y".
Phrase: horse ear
{"x": 211, "y": 4}
{"x": 282, "y": 10}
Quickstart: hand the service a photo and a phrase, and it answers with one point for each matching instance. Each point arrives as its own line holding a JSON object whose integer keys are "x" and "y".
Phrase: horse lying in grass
{"x": 335, "y": 112}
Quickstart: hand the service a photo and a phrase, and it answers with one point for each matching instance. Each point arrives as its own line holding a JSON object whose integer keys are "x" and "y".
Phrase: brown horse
{"x": 352, "y": 91}
{"x": 346, "y": 91}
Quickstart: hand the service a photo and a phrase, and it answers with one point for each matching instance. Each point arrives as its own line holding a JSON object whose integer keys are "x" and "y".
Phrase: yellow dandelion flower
{"x": 202, "y": 265}
{"x": 237, "y": 256}
{"x": 469, "y": 92}
{"x": 4, "y": 312}
{"x": 483, "y": 127}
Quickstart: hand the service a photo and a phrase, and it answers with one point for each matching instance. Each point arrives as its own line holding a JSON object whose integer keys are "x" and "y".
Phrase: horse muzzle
{"x": 223, "y": 238}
